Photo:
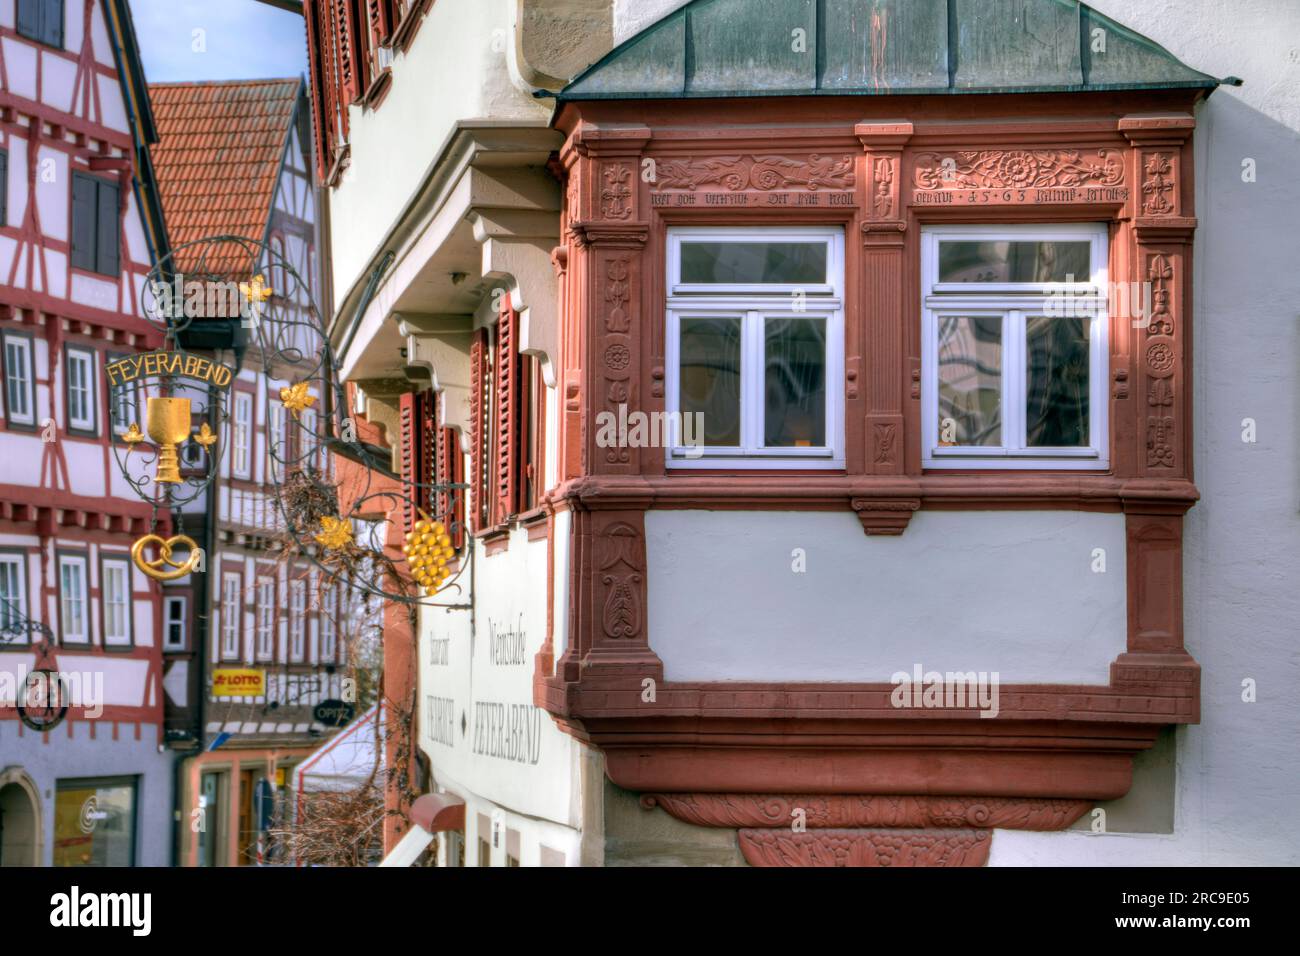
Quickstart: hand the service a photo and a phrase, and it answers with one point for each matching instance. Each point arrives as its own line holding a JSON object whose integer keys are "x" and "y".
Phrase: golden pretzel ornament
{"x": 155, "y": 568}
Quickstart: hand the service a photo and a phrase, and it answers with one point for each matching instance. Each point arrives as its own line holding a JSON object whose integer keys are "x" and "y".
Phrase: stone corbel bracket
{"x": 440, "y": 344}
{"x": 517, "y": 247}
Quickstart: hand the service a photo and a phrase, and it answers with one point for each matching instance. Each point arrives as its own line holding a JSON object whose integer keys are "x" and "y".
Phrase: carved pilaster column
{"x": 876, "y": 357}
{"x": 608, "y": 628}
{"x": 1160, "y": 452}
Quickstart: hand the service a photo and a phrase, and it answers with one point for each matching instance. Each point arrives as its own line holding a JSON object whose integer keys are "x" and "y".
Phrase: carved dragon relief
{"x": 758, "y": 172}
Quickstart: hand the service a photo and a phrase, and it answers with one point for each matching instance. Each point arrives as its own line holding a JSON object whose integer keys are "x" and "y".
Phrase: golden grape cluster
{"x": 429, "y": 553}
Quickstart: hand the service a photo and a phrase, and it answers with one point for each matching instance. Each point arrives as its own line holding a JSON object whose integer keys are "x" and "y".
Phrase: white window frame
{"x": 297, "y": 621}
{"x": 73, "y": 355}
{"x": 241, "y": 427}
{"x": 752, "y": 304}
{"x": 178, "y": 618}
{"x": 66, "y": 635}
{"x": 23, "y": 384}
{"x": 14, "y": 567}
{"x": 109, "y": 601}
{"x": 1014, "y": 303}
{"x": 329, "y": 608}
{"x": 264, "y": 647}
{"x": 232, "y": 610}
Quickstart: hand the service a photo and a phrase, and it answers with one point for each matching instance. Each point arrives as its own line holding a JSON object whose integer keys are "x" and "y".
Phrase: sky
{"x": 218, "y": 40}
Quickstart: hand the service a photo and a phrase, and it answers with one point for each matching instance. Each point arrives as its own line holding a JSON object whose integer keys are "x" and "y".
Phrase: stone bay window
{"x": 940, "y": 346}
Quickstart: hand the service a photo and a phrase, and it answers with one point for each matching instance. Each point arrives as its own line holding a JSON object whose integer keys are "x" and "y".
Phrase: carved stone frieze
{"x": 1018, "y": 169}
{"x": 842, "y": 848}
{"x": 735, "y": 173}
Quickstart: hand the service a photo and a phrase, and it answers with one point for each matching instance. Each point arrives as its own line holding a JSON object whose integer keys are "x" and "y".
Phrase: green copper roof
{"x": 855, "y": 47}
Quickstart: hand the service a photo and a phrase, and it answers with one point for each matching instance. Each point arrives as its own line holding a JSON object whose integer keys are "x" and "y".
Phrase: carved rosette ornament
{"x": 1018, "y": 169}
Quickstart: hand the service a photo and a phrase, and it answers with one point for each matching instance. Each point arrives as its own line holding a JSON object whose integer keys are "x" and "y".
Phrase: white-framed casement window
{"x": 115, "y": 598}
{"x": 74, "y": 609}
{"x": 329, "y": 634}
{"x": 1014, "y": 347}
{"x": 20, "y": 382}
{"x": 265, "y": 618}
{"x": 297, "y": 620}
{"x": 80, "y": 390}
{"x": 175, "y": 619}
{"x": 13, "y": 597}
{"x": 755, "y": 347}
{"x": 241, "y": 445}
{"x": 277, "y": 453}
{"x": 122, "y": 404}
{"x": 232, "y": 612}
{"x": 307, "y": 449}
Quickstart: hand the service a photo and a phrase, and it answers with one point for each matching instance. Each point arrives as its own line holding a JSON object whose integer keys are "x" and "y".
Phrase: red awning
{"x": 438, "y": 811}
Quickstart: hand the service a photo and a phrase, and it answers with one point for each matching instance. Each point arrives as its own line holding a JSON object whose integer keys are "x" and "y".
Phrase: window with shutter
{"x": 96, "y": 225}
{"x": 507, "y": 415}
{"x": 107, "y": 230}
{"x": 85, "y": 197}
{"x": 451, "y": 471}
{"x": 480, "y": 394}
{"x": 52, "y": 22}
{"x": 406, "y": 421}
{"x": 41, "y": 20}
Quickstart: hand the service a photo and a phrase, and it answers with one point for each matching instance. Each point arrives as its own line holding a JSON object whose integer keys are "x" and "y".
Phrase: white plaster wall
{"x": 510, "y": 591}
{"x": 456, "y": 70}
{"x": 1237, "y": 779}
{"x": 1011, "y": 592}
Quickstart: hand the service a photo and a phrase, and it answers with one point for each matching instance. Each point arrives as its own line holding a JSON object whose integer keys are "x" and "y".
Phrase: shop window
{"x": 211, "y": 835}
{"x": 755, "y": 348}
{"x": 20, "y": 382}
{"x": 1014, "y": 347}
{"x": 94, "y": 822}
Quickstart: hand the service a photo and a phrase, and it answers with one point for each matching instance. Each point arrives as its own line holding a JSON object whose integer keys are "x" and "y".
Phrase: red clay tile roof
{"x": 217, "y": 161}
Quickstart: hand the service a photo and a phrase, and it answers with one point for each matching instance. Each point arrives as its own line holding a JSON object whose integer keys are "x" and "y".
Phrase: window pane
{"x": 710, "y": 377}
{"x": 1014, "y": 261}
{"x": 970, "y": 380}
{"x": 94, "y": 824}
{"x": 732, "y": 262}
{"x": 1056, "y": 392}
{"x": 795, "y": 383}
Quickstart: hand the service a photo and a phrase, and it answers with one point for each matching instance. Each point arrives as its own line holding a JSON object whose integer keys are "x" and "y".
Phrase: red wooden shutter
{"x": 451, "y": 471}
{"x": 406, "y": 419}
{"x": 508, "y": 405}
{"x": 478, "y": 408}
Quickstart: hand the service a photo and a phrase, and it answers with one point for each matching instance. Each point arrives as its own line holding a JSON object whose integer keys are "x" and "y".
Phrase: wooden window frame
{"x": 28, "y": 342}
{"x": 170, "y": 601}
{"x": 17, "y": 557}
{"x": 1013, "y": 303}
{"x": 122, "y": 560}
{"x": 753, "y": 304}
{"x": 90, "y": 356}
{"x": 81, "y": 557}
{"x": 223, "y": 651}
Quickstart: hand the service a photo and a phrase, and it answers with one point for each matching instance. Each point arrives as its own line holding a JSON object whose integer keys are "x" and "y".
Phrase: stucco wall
{"x": 1011, "y": 592}
{"x": 455, "y": 70}
{"x": 1236, "y": 781}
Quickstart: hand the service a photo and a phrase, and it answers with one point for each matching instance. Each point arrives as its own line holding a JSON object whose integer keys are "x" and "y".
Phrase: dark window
{"x": 41, "y": 20}
{"x": 4, "y": 187}
{"x": 94, "y": 224}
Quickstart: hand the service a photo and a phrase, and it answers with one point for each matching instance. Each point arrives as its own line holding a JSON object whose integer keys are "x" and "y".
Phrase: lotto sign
{"x": 238, "y": 682}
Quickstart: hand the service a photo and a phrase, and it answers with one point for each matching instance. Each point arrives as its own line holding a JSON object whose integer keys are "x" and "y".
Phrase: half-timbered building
{"x": 80, "y": 227}
{"x": 233, "y": 159}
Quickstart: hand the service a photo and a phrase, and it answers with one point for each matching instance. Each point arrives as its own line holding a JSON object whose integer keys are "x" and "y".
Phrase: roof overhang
{"x": 740, "y": 48}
